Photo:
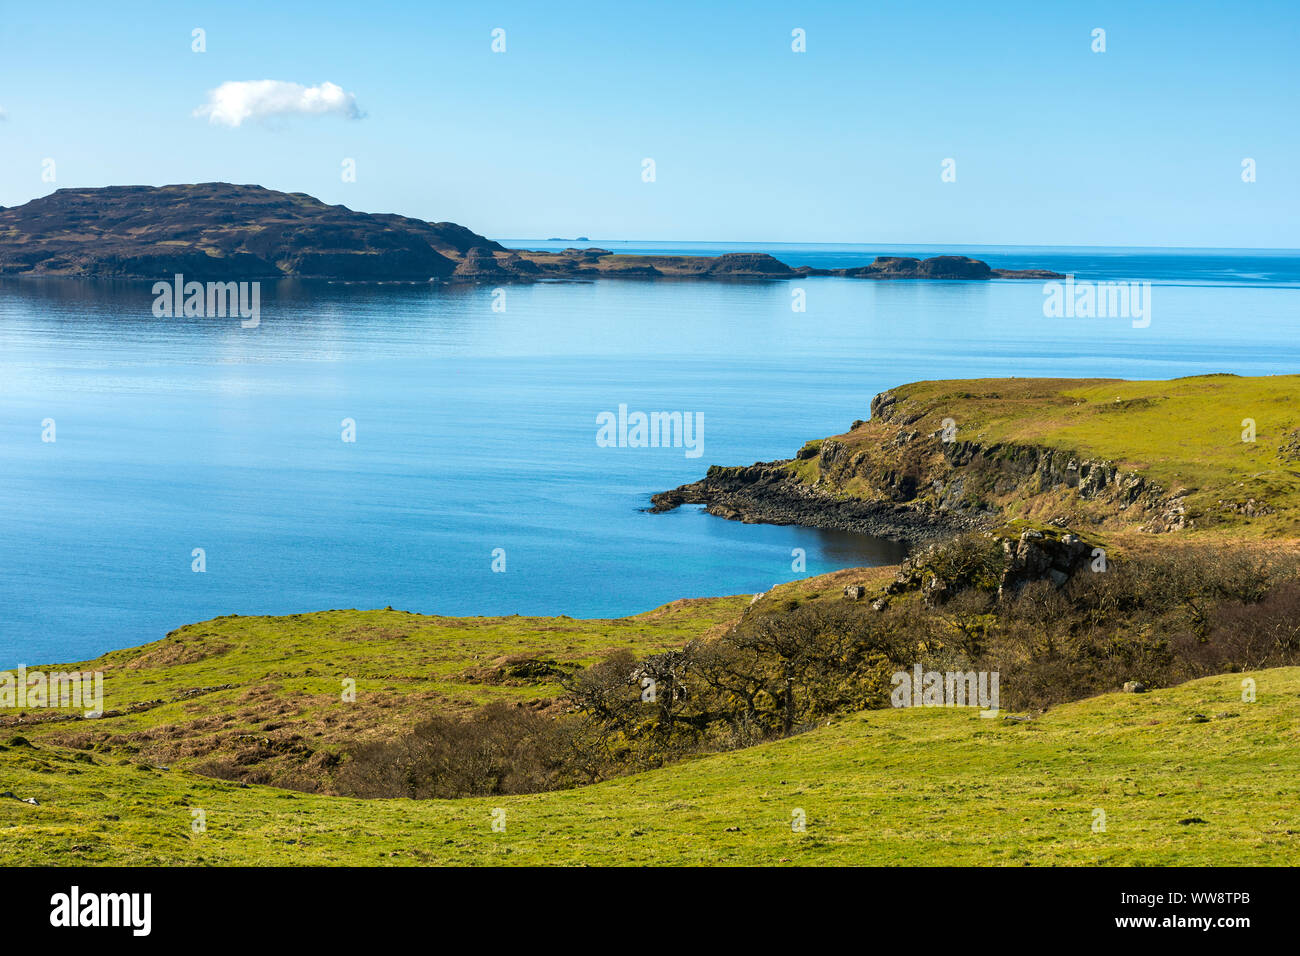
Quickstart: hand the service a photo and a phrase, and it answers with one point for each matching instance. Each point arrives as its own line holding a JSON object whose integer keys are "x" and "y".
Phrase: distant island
{"x": 227, "y": 232}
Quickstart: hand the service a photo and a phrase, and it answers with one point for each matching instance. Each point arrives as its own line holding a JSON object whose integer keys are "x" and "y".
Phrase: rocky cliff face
{"x": 887, "y": 478}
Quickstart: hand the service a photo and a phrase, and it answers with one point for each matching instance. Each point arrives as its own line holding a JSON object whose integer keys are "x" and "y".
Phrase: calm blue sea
{"x": 475, "y": 428}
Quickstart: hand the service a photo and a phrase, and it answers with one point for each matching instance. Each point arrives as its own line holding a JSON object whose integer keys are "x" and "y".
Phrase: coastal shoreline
{"x": 765, "y": 494}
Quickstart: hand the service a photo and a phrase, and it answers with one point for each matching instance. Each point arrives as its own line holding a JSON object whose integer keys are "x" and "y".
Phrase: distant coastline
{"x": 227, "y": 232}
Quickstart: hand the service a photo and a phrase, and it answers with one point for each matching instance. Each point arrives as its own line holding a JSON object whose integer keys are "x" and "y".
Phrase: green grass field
{"x": 882, "y": 787}
{"x": 266, "y": 693}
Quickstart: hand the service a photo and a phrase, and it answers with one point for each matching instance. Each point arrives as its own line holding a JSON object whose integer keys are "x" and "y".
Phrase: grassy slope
{"x": 1184, "y": 434}
{"x": 915, "y": 787}
{"x": 286, "y": 679}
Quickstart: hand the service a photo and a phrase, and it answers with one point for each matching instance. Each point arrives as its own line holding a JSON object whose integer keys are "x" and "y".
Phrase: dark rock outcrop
{"x": 1037, "y": 555}
{"x": 479, "y": 263}
{"x": 936, "y": 267}
{"x": 1027, "y": 555}
{"x": 749, "y": 265}
{"x": 767, "y": 493}
{"x": 519, "y": 265}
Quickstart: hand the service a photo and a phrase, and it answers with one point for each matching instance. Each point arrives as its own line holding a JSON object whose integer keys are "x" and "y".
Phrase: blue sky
{"x": 1054, "y": 144}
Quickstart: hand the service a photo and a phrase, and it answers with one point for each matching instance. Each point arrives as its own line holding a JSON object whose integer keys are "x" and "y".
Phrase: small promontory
{"x": 1202, "y": 454}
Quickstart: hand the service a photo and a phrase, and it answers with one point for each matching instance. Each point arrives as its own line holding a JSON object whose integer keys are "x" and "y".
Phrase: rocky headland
{"x": 939, "y": 458}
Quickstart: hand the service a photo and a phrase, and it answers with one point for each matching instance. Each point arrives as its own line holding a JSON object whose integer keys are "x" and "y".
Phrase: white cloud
{"x": 3, "y": 115}
{"x": 237, "y": 100}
